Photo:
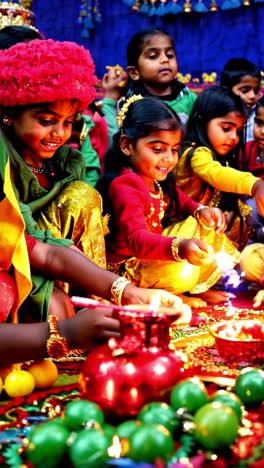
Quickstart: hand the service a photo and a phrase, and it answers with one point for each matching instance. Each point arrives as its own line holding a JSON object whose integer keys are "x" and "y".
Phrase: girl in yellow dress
{"x": 207, "y": 168}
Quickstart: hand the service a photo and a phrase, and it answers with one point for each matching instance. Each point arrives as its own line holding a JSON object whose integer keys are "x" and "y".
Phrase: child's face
{"x": 248, "y": 90}
{"x": 42, "y": 129}
{"x": 223, "y": 133}
{"x": 157, "y": 64}
{"x": 259, "y": 127}
{"x": 154, "y": 156}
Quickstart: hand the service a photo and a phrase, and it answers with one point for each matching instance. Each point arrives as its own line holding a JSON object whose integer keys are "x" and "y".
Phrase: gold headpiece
{"x": 122, "y": 113}
{"x": 17, "y": 14}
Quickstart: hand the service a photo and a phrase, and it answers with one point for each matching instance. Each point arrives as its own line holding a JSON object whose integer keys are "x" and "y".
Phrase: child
{"x": 207, "y": 167}
{"x": 48, "y": 84}
{"x": 152, "y": 68}
{"x": 243, "y": 78}
{"x": 138, "y": 190}
{"x": 252, "y": 159}
{"x": 54, "y": 262}
{"x": 28, "y": 341}
{"x": 251, "y": 263}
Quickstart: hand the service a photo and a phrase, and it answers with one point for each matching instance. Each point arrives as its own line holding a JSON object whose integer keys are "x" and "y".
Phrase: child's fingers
{"x": 258, "y": 299}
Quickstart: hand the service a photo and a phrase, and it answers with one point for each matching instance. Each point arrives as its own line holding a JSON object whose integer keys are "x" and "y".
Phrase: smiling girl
{"x": 157, "y": 233}
{"x": 207, "y": 168}
{"x": 44, "y": 84}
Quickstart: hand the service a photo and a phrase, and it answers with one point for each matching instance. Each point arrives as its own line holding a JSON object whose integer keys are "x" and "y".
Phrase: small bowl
{"x": 239, "y": 341}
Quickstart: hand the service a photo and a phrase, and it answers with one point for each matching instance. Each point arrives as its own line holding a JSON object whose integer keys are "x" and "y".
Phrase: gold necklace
{"x": 162, "y": 202}
{"x": 152, "y": 218}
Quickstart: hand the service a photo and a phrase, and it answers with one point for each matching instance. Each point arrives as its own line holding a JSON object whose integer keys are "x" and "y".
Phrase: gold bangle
{"x": 196, "y": 213}
{"x": 175, "y": 245}
{"x": 117, "y": 290}
{"x": 57, "y": 347}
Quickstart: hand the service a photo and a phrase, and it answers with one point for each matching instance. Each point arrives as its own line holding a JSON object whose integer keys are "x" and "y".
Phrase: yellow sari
{"x": 12, "y": 241}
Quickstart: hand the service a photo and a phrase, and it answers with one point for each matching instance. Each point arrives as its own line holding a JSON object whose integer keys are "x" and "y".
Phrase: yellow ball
{"x": 45, "y": 373}
{"x": 19, "y": 383}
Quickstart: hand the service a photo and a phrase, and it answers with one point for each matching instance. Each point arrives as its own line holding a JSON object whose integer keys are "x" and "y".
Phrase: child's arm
{"x": 131, "y": 211}
{"x": 24, "y": 342}
{"x": 258, "y": 194}
{"x": 224, "y": 178}
{"x": 67, "y": 264}
{"x": 258, "y": 299}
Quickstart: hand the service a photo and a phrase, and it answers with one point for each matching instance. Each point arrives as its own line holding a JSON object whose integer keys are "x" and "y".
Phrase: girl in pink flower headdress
{"x": 44, "y": 85}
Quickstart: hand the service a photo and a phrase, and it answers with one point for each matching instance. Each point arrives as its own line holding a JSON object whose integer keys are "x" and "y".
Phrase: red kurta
{"x": 135, "y": 232}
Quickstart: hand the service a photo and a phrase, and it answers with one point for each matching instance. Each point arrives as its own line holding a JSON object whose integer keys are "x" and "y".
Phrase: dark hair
{"x": 260, "y": 103}
{"x": 235, "y": 69}
{"x": 11, "y": 35}
{"x": 143, "y": 117}
{"x": 137, "y": 41}
{"x": 215, "y": 101}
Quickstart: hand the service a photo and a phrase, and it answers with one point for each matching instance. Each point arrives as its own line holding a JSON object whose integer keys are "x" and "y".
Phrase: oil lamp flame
{"x": 231, "y": 277}
{"x": 224, "y": 261}
{"x": 115, "y": 449}
{"x": 155, "y": 303}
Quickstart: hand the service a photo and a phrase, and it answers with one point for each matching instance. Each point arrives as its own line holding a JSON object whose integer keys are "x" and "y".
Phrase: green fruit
{"x": 249, "y": 385}
{"x": 89, "y": 449}
{"x": 216, "y": 426}
{"x": 229, "y": 399}
{"x": 109, "y": 431}
{"x": 47, "y": 444}
{"x": 150, "y": 442}
{"x": 159, "y": 413}
{"x": 125, "y": 429}
{"x": 78, "y": 412}
{"x": 189, "y": 394}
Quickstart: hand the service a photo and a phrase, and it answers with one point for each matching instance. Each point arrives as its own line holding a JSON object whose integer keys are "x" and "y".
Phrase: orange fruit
{"x": 19, "y": 383}
{"x": 1, "y": 385}
{"x": 45, "y": 373}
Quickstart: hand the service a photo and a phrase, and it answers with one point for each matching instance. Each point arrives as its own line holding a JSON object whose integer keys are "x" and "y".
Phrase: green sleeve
{"x": 109, "y": 111}
{"x": 92, "y": 162}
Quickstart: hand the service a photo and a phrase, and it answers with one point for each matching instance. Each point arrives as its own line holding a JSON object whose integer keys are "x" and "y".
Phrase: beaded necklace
{"x": 47, "y": 169}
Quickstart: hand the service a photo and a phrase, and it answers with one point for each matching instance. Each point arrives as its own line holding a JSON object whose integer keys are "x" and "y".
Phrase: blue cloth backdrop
{"x": 204, "y": 41}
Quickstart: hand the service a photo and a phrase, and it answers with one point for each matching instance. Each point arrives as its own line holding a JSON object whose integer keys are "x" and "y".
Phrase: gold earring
{"x": 6, "y": 121}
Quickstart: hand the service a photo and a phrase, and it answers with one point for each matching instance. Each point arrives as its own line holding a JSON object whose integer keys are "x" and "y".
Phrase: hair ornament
{"x": 122, "y": 113}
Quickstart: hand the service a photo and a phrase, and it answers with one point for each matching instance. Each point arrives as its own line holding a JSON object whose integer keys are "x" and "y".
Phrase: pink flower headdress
{"x": 46, "y": 71}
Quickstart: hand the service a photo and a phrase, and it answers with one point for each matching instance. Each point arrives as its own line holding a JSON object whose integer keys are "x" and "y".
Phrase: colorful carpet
{"x": 17, "y": 416}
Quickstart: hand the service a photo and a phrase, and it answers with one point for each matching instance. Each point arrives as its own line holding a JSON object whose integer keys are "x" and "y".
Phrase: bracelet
{"x": 57, "y": 347}
{"x": 196, "y": 212}
{"x": 117, "y": 290}
{"x": 175, "y": 245}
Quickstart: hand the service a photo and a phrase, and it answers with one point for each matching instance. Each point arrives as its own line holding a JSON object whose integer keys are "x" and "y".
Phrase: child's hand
{"x": 88, "y": 327}
{"x": 134, "y": 295}
{"x": 258, "y": 194}
{"x": 111, "y": 84}
{"x": 258, "y": 299}
{"x": 212, "y": 218}
{"x": 196, "y": 251}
